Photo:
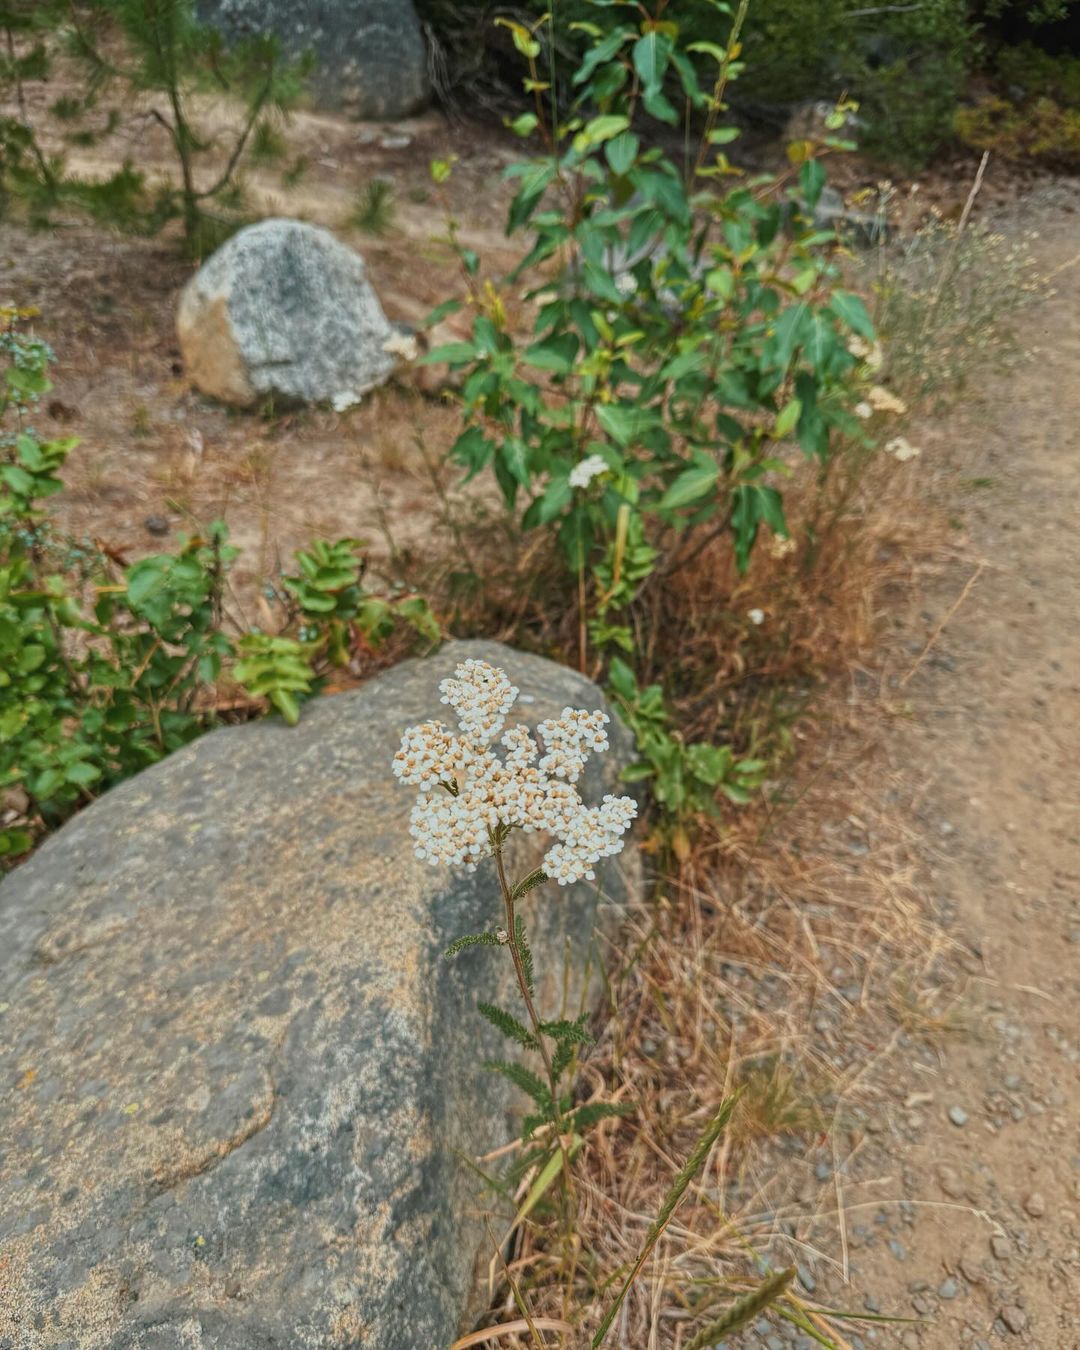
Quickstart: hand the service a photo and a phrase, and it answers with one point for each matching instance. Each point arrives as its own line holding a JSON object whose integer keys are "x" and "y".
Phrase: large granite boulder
{"x": 369, "y": 55}
{"x": 238, "y": 1077}
{"x": 285, "y": 309}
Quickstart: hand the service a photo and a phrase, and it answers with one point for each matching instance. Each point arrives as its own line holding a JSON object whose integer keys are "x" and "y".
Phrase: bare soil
{"x": 948, "y": 807}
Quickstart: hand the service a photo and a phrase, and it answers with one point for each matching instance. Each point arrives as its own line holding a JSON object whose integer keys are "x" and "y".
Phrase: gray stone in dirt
{"x": 948, "y": 1289}
{"x": 369, "y": 55}
{"x": 806, "y": 1279}
{"x": 284, "y": 309}
{"x": 897, "y": 1249}
{"x": 1035, "y": 1205}
{"x": 958, "y": 1116}
{"x": 1001, "y": 1247}
{"x": 239, "y": 1076}
{"x": 1014, "y": 1318}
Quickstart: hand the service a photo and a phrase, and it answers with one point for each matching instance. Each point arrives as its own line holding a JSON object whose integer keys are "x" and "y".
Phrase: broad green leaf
{"x": 690, "y": 486}
{"x": 599, "y": 130}
{"x": 524, "y": 125}
{"x": 622, "y": 152}
{"x": 851, "y": 310}
{"x": 651, "y": 56}
{"x": 787, "y": 418}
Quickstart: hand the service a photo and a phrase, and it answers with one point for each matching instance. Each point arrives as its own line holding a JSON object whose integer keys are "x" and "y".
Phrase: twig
{"x": 942, "y": 625}
{"x": 946, "y": 267}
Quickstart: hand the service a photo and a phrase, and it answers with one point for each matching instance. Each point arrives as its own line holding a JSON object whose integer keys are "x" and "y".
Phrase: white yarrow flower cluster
{"x": 582, "y": 474}
{"x": 467, "y": 792}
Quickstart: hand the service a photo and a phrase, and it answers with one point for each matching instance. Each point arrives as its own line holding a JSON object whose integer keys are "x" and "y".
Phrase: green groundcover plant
{"x": 103, "y": 673}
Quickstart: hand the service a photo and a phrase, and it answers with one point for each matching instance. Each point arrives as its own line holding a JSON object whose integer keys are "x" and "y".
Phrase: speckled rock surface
{"x": 370, "y": 59}
{"x": 284, "y": 308}
{"x": 235, "y": 1067}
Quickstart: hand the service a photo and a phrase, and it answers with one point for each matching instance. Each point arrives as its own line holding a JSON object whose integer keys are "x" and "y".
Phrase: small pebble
{"x": 156, "y": 525}
{"x": 948, "y": 1289}
{"x": 897, "y": 1249}
{"x": 970, "y": 1269}
{"x": 950, "y": 1183}
{"x": 871, "y": 1304}
{"x": 823, "y": 1171}
{"x": 958, "y": 1116}
{"x": 806, "y": 1279}
{"x": 1014, "y": 1318}
{"x": 1035, "y": 1205}
{"x": 1001, "y": 1247}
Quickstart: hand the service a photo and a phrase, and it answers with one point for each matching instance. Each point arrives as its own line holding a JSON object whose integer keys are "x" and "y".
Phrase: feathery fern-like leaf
{"x": 562, "y": 1058}
{"x": 525, "y": 953}
{"x": 593, "y": 1112}
{"x": 472, "y": 940}
{"x": 509, "y": 1026}
{"x": 523, "y": 1078}
{"x": 564, "y": 1030}
{"x": 530, "y": 883}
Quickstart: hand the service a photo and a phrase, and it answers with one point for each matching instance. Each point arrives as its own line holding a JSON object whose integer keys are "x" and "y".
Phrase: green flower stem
{"x": 534, "y": 1019}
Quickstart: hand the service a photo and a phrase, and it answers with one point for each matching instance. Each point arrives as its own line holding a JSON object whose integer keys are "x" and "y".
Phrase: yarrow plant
{"x": 469, "y": 802}
{"x": 470, "y": 799}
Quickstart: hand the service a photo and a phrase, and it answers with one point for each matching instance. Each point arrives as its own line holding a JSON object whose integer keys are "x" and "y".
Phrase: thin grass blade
{"x": 693, "y": 1166}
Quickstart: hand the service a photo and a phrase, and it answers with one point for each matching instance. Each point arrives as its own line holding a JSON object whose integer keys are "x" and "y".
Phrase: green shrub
{"x": 1038, "y": 131}
{"x": 690, "y": 334}
{"x": 905, "y": 64}
{"x": 101, "y": 675}
{"x": 1036, "y": 115}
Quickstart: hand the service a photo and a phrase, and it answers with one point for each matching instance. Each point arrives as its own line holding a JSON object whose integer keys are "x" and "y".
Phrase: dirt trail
{"x": 983, "y": 1137}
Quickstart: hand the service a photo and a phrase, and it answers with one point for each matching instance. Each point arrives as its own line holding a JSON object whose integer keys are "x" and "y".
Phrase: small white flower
{"x": 401, "y": 344}
{"x": 582, "y": 474}
{"x": 902, "y": 448}
{"x": 780, "y": 548}
{"x": 863, "y": 410}
{"x": 884, "y": 400}
{"x": 870, "y": 355}
{"x": 756, "y": 616}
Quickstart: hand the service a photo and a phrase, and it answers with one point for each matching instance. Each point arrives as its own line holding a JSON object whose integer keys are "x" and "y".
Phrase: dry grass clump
{"x": 787, "y": 957}
{"x": 769, "y": 964}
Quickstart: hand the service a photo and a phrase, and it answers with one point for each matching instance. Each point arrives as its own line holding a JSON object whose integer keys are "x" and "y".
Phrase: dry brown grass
{"x": 791, "y": 954}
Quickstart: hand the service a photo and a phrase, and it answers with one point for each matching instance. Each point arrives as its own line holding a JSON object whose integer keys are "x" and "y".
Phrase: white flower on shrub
{"x": 902, "y": 448}
{"x": 864, "y": 410}
{"x": 468, "y": 794}
{"x": 884, "y": 400}
{"x": 869, "y": 354}
{"x": 756, "y": 616}
{"x": 582, "y": 474}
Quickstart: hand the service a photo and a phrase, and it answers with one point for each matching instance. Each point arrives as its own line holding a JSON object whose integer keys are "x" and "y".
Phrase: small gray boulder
{"x": 239, "y": 1079}
{"x": 284, "y": 308}
{"x": 369, "y": 55}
